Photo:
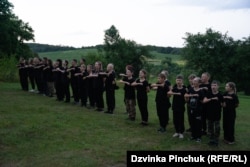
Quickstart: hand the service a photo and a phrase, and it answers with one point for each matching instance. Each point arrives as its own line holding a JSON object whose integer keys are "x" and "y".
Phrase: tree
{"x": 242, "y": 67}
{"x": 13, "y": 32}
{"x": 211, "y": 52}
{"x": 122, "y": 52}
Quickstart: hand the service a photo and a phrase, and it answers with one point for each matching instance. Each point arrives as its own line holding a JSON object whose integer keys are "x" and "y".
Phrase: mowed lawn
{"x": 39, "y": 131}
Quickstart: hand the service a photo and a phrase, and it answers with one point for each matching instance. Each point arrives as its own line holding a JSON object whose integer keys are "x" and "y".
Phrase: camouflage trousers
{"x": 130, "y": 107}
{"x": 214, "y": 129}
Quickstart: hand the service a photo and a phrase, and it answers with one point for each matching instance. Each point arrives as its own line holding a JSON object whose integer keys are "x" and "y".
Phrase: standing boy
{"x": 162, "y": 101}
{"x": 178, "y": 106}
{"x": 214, "y": 101}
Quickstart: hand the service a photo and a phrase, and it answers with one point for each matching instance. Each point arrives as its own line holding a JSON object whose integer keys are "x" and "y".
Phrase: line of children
{"x": 203, "y": 99}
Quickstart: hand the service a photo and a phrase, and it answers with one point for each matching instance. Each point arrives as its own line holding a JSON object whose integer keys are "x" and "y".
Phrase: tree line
{"x": 223, "y": 57}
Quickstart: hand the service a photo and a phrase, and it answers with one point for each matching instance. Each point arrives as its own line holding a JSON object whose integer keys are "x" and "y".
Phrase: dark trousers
{"x": 189, "y": 116}
{"x": 110, "y": 99}
{"x": 24, "y": 82}
{"x": 83, "y": 94}
{"x": 228, "y": 126}
{"x": 66, "y": 90}
{"x": 59, "y": 91}
{"x": 90, "y": 95}
{"x": 196, "y": 126}
{"x": 74, "y": 86}
{"x": 162, "y": 112}
{"x": 32, "y": 81}
{"x": 214, "y": 128}
{"x": 204, "y": 117}
{"x": 99, "y": 98}
{"x": 178, "y": 117}
{"x": 143, "y": 107}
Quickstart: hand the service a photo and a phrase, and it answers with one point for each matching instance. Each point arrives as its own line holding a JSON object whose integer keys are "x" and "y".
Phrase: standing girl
{"x": 142, "y": 87}
{"x": 195, "y": 98}
{"x": 231, "y": 101}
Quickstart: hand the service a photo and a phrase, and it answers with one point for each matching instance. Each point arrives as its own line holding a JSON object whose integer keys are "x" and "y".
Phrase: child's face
{"x": 161, "y": 80}
{"x": 179, "y": 82}
{"x": 214, "y": 87}
{"x": 89, "y": 68}
{"x": 227, "y": 88}
{"x": 129, "y": 73}
{"x": 83, "y": 68}
{"x": 141, "y": 74}
{"x": 196, "y": 82}
{"x": 97, "y": 65}
{"x": 190, "y": 81}
{"x": 109, "y": 68}
{"x": 204, "y": 78}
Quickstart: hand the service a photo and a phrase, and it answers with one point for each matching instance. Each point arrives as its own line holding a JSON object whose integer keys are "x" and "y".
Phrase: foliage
{"x": 241, "y": 66}
{"x": 13, "y": 32}
{"x": 8, "y": 69}
{"x": 210, "y": 52}
{"x": 122, "y": 52}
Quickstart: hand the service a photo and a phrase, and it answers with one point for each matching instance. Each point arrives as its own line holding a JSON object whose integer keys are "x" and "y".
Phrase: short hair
{"x": 215, "y": 82}
{"x": 165, "y": 72}
{"x": 207, "y": 74}
{"x": 179, "y": 77}
{"x": 161, "y": 75}
{"x": 192, "y": 76}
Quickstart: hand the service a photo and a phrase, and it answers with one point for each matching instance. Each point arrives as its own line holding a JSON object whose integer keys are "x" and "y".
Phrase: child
{"x": 178, "y": 106}
{"x": 110, "y": 88}
{"x": 205, "y": 86}
{"x": 194, "y": 97}
{"x": 214, "y": 101}
{"x": 142, "y": 87}
{"x": 90, "y": 87}
{"x": 98, "y": 83}
{"x": 129, "y": 94}
{"x": 229, "y": 112}
{"x": 162, "y": 101}
{"x": 190, "y": 79}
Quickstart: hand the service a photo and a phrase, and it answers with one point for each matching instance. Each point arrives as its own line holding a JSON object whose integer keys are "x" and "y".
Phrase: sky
{"x": 147, "y": 22}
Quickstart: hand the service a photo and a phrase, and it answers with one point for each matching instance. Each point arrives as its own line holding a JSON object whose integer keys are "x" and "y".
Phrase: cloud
{"x": 209, "y": 4}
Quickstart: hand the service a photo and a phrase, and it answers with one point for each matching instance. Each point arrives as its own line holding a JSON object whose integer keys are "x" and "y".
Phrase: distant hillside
{"x": 38, "y": 48}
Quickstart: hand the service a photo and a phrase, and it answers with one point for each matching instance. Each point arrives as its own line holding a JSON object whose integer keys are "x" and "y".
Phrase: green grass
{"x": 39, "y": 131}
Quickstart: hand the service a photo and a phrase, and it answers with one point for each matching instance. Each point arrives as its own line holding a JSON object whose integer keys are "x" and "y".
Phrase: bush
{"x": 9, "y": 71}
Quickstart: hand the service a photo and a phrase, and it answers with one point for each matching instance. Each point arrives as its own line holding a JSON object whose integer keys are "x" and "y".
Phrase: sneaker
{"x": 230, "y": 143}
{"x": 181, "y": 136}
{"x": 176, "y": 135}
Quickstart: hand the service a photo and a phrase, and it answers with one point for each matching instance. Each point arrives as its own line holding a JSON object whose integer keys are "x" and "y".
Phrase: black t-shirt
{"x": 214, "y": 106}
{"x": 142, "y": 89}
{"x": 178, "y": 100}
{"x": 231, "y": 104}
{"x": 161, "y": 95}
{"x": 129, "y": 90}
{"x": 98, "y": 82}
{"x": 195, "y": 101}
{"x": 109, "y": 82}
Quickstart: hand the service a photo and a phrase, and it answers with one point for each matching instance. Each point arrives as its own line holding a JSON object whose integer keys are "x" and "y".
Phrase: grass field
{"x": 39, "y": 131}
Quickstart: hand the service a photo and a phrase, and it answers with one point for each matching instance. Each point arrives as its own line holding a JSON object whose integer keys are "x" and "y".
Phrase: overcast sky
{"x": 156, "y": 22}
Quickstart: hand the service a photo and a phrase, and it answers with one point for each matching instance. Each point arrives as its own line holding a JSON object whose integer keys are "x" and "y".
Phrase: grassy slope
{"x": 39, "y": 131}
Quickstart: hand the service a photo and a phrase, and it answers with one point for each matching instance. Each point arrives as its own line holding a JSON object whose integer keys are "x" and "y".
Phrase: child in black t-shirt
{"x": 214, "y": 101}
{"x": 162, "y": 101}
{"x": 229, "y": 112}
{"x": 194, "y": 96}
{"x": 142, "y": 88}
{"x": 178, "y": 106}
{"x": 129, "y": 94}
